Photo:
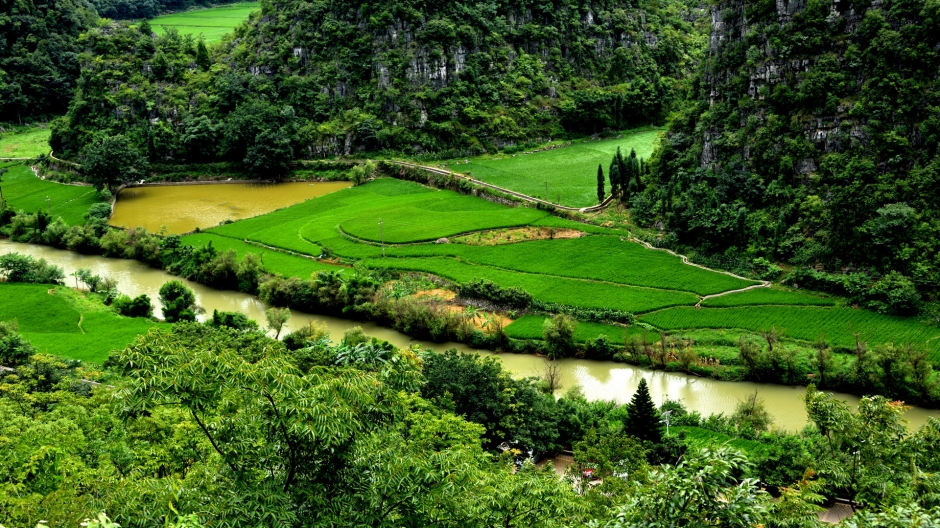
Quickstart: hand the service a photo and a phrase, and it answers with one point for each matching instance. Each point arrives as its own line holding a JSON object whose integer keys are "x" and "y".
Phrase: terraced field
{"x": 532, "y": 326}
{"x": 566, "y": 175}
{"x": 601, "y": 269}
{"x": 56, "y": 321}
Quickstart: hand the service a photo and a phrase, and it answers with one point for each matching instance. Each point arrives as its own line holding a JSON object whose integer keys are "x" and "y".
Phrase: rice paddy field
{"x": 23, "y": 190}
{"x": 569, "y": 173}
{"x": 284, "y": 263}
{"x": 596, "y": 268}
{"x": 58, "y": 321}
{"x": 212, "y": 23}
{"x": 532, "y": 327}
{"x": 24, "y": 142}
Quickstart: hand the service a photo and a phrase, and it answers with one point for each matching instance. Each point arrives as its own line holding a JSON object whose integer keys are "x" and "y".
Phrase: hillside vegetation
{"x": 305, "y": 79}
{"x": 811, "y": 137}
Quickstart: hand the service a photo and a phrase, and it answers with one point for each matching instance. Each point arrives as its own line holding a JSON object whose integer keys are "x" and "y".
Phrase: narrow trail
{"x": 81, "y": 317}
{"x": 685, "y": 260}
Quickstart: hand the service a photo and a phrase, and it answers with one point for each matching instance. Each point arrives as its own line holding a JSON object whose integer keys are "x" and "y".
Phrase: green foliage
{"x": 178, "y": 301}
{"x": 558, "y": 333}
{"x": 233, "y": 320}
{"x": 484, "y": 289}
{"x": 24, "y": 268}
{"x": 139, "y": 306}
{"x": 14, "y": 349}
{"x": 834, "y": 164}
{"x": 485, "y": 80}
{"x": 643, "y": 419}
{"x": 110, "y": 162}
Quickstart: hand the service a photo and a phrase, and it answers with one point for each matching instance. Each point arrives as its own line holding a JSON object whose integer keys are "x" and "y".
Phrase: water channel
{"x": 600, "y": 380}
{"x": 183, "y": 208}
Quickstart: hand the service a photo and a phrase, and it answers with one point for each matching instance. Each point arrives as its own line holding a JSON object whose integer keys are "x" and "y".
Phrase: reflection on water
{"x": 600, "y": 380}
{"x": 183, "y": 208}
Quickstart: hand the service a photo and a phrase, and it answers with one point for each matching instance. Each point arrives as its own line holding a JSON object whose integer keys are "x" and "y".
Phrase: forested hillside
{"x": 306, "y": 79}
{"x": 812, "y": 137}
{"x": 39, "y": 55}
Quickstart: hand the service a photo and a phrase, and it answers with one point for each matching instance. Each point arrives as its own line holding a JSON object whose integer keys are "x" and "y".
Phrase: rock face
{"x": 812, "y": 120}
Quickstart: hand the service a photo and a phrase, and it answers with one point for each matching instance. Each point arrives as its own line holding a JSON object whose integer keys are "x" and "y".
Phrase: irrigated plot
{"x": 836, "y": 325}
{"x": 273, "y": 261}
{"x": 559, "y": 290}
{"x": 768, "y": 296}
{"x": 533, "y": 327}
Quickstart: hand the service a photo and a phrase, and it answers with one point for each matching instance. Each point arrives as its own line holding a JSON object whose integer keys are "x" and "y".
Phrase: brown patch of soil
{"x": 437, "y": 293}
{"x": 516, "y": 234}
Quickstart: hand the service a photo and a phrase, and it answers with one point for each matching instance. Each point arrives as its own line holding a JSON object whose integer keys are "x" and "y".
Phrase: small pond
{"x": 183, "y": 208}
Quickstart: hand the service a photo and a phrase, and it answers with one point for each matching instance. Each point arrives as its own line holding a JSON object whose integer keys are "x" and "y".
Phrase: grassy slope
{"x": 27, "y": 192}
{"x": 27, "y": 143}
{"x": 213, "y": 23}
{"x": 570, "y": 171}
{"x": 49, "y": 317}
{"x": 807, "y": 323}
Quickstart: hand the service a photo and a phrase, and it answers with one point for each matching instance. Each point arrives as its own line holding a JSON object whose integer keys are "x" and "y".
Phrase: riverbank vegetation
{"x": 414, "y": 436}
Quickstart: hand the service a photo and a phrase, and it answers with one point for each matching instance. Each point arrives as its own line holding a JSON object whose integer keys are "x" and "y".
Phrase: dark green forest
{"x": 811, "y": 137}
{"x": 310, "y": 79}
{"x": 39, "y": 51}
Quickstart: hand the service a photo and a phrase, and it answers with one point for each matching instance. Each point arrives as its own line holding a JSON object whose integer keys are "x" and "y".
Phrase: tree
{"x": 643, "y": 420}
{"x": 600, "y": 183}
{"x": 277, "y": 317}
{"x": 111, "y": 162}
{"x": 559, "y": 335}
{"x": 179, "y": 302}
{"x": 202, "y": 55}
{"x": 751, "y": 416}
{"x": 614, "y": 174}
{"x": 702, "y": 490}
{"x": 14, "y": 349}
{"x": 139, "y": 306}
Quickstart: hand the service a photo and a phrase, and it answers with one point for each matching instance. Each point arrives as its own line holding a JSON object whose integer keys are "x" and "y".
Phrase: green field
{"x": 212, "y": 23}
{"x": 24, "y": 143}
{"x": 532, "y": 327}
{"x": 806, "y": 323}
{"x": 274, "y": 261}
{"x": 58, "y": 321}
{"x": 599, "y": 270}
{"x": 699, "y": 438}
{"x": 768, "y": 296}
{"x": 570, "y": 172}
{"x": 23, "y": 190}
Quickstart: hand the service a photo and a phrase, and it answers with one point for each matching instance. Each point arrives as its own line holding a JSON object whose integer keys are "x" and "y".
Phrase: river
{"x": 183, "y": 208}
{"x": 600, "y": 380}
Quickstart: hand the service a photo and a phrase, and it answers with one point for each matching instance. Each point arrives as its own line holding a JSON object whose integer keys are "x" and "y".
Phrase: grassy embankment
{"x": 61, "y": 321}
{"x": 570, "y": 172}
{"x": 24, "y": 142}
{"x": 595, "y": 271}
{"x": 212, "y": 23}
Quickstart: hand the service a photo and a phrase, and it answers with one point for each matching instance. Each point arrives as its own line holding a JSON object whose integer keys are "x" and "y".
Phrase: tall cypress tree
{"x": 614, "y": 175}
{"x": 635, "y": 168}
{"x": 600, "y": 183}
{"x": 643, "y": 418}
{"x": 202, "y": 56}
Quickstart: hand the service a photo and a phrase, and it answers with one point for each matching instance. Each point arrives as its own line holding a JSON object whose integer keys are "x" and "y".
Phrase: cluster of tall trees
{"x": 626, "y": 175}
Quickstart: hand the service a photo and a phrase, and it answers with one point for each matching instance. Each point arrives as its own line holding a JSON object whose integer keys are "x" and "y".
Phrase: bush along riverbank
{"x": 479, "y": 314}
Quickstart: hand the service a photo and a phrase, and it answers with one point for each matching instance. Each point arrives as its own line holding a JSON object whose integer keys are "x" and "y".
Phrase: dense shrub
{"x": 23, "y": 268}
{"x": 14, "y": 349}
{"x": 139, "y": 306}
{"x": 233, "y": 320}
{"x": 484, "y": 289}
{"x": 179, "y": 302}
{"x": 893, "y": 294}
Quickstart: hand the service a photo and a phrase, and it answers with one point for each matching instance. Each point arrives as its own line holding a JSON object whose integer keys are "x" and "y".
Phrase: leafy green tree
{"x": 559, "y": 335}
{"x": 600, "y": 183}
{"x": 139, "y": 306}
{"x": 643, "y": 420}
{"x": 14, "y": 348}
{"x": 23, "y": 268}
{"x": 179, "y": 302}
{"x": 702, "y": 490}
{"x": 112, "y": 161}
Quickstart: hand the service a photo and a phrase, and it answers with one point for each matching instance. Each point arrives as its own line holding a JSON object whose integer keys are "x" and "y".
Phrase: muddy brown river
{"x": 183, "y": 208}
{"x": 600, "y": 380}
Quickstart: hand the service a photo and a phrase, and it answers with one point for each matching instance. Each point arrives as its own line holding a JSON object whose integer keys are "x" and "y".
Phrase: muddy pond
{"x": 183, "y": 208}
{"x": 600, "y": 380}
